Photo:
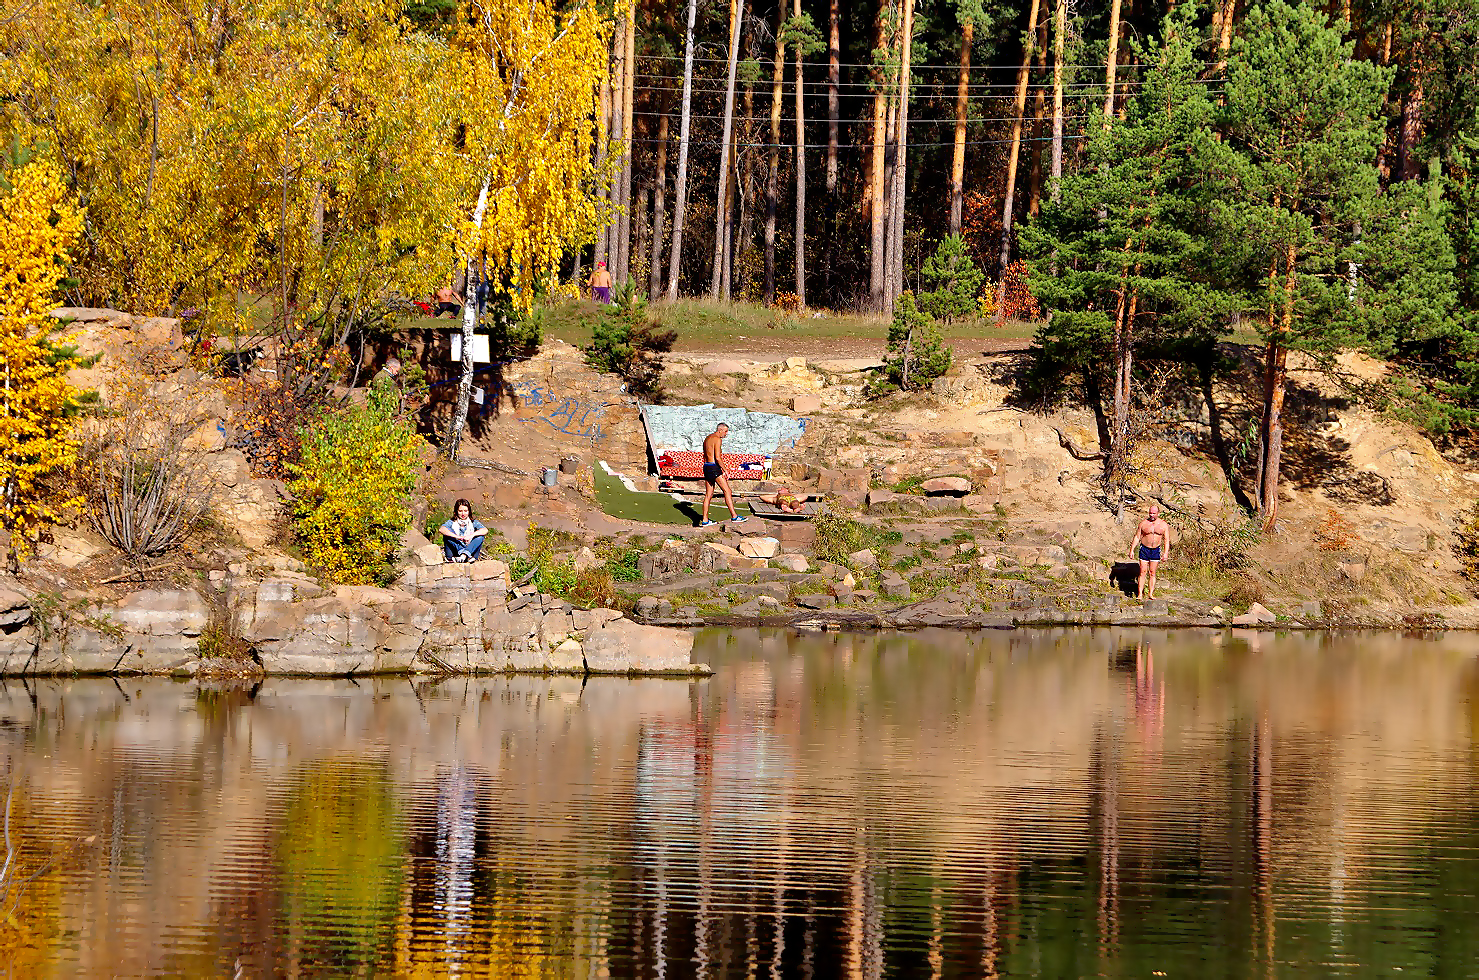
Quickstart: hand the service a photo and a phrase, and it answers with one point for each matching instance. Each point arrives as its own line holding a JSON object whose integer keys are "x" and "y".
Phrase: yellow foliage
{"x": 324, "y": 152}
{"x": 38, "y": 226}
{"x": 353, "y": 488}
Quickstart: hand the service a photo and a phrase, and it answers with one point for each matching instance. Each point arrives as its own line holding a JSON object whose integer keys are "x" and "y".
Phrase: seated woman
{"x": 785, "y": 500}
{"x": 462, "y": 537}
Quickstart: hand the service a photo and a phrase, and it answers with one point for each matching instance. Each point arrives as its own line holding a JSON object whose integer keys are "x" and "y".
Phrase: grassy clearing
{"x": 706, "y": 324}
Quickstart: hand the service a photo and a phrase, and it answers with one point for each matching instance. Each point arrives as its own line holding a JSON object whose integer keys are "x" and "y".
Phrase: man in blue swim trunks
{"x": 714, "y": 475}
{"x": 1152, "y": 545}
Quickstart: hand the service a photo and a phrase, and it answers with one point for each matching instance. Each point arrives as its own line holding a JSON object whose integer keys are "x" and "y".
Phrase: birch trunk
{"x": 469, "y": 320}
{"x": 1019, "y": 104}
{"x": 603, "y": 194}
{"x": 659, "y": 208}
{"x": 1111, "y": 61}
{"x": 675, "y": 254}
{"x": 772, "y": 183}
{"x": 962, "y": 113}
{"x": 721, "y": 197}
{"x": 800, "y": 174}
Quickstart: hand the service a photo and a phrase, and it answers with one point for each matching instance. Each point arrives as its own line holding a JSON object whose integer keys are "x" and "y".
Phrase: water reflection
{"x": 1071, "y": 803}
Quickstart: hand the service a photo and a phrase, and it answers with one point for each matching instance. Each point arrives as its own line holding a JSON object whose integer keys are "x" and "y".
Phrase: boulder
{"x": 1354, "y": 571}
{"x": 817, "y": 600}
{"x": 863, "y": 559}
{"x": 894, "y": 584}
{"x": 759, "y": 547}
{"x": 585, "y": 559}
{"x": 806, "y": 404}
{"x": 714, "y": 556}
{"x": 624, "y": 647}
{"x": 954, "y": 486}
{"x": 71, "y": 551}
{"x": 792, "y": 563}
{"x": 1256, "y": 615}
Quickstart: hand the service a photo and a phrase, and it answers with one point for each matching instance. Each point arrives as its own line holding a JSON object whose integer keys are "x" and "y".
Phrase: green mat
{"x": 649, "y": 508}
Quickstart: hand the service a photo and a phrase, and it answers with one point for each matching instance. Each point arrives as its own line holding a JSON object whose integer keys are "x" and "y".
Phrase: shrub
{"x": 352, "y": 486}
{"x": 626, "y": 341}
{"x": 143, "y": 487}
{"x": 838, "y": 536}
{"x": 916, "y": 353}
{"x": 1466, "y": 544}
{"x": 1218, "y": 544}
{"x": 956, "y": 282}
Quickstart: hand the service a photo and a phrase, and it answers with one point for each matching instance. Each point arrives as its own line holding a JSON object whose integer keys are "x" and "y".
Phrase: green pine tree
{"x": 955, "y": 280}
{"x": 1298, "y": 211}
{"x": 1125, "y": 247}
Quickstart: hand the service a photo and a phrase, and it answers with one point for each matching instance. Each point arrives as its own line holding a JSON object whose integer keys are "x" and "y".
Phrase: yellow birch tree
{"x": 38, "y": 227}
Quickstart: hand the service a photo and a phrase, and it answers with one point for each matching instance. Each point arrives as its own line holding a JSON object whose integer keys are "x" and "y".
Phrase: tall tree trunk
{"x": 659, "y": 208}
{"x": 680, "y": 204}
{"x": 1274, "y": 383}
{"x": 469, "y": 320}
{"x": 877, "y": 210}
{"x": 1229, "y": 10}
{"x": 721, "y": 198}
{"x": 1039, "y": 113}
{"x": 800, "y": 173}
{"x": 890, "y": 241}
{"x": 1408, "y": 164}
{"x": 639, "y": 247}
{"x": 745, "y": 178}
{"x": 962, "y": 107}
{"x": 1111, "y": 61}
{"x": 1060, "y": 27}
{"x": 603, "y": 130}
{"x": 624, "y": 218}
{"x": 834, "y": 81}
{"x": 1019, "y": 104}
{"x": 898, "y": 199}
{"x": 772, "y": 183}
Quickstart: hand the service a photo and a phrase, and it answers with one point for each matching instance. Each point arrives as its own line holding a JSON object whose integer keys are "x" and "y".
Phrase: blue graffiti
{"x": 570, "y": 416}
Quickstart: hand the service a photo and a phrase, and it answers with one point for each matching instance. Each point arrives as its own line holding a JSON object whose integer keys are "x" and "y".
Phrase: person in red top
{"x": 601, "y": 284}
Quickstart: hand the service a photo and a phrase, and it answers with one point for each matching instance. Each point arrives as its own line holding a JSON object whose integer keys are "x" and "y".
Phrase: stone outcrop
{"x": 446, "y": 618}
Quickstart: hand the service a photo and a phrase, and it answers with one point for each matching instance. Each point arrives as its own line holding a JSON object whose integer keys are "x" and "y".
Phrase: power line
{"x": 870, "y": 65}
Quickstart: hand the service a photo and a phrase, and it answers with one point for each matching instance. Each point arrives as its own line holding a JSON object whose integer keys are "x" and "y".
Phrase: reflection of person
{"x": 462, "y": 537}
{"x": 601, "y": 284}
{"x": 1151, "y": 546}
{"x": 787, "y": 501}
{"x": 714, "y": 475}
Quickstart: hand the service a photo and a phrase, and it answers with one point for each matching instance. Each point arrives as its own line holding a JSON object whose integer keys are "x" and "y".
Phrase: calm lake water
{"x": 1122, "y": 803}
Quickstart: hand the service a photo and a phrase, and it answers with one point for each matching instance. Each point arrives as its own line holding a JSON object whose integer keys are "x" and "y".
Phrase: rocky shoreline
{"x": 441, "y": 619}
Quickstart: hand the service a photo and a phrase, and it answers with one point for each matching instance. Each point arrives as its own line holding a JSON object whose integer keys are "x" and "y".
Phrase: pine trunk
{"x": 889, "y": 241}
{"x": 675, "y": 253}
{"x": 1111, "y": 61}
{"x": 721, "y": 198}
{"x": 603, "y": 195}
{"x": 772, "y": 182}
{"x": 1229, "y": 10}
{"x": 962, "y": 113}
{"x": 1060, "y": 27}
{"x": 834, "y": 81}
{"x": 1408, "y": 164}
{"x": 640, "y": 212}
{"x": 659, "y": 208}
{"x": 800, "y": 173}
{"x": 1274, "y": 384}
{"x": 898, "y": 200}
{"x": 875, "y": 201}
{"x": 469, "y": 320}
{"x": 1039, "y": 113}
{"x": 1008, "y": 199}
{"x": 624, "y": 218}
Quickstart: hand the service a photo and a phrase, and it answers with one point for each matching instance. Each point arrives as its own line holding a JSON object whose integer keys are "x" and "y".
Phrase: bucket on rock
{"x": 547, "y": 476}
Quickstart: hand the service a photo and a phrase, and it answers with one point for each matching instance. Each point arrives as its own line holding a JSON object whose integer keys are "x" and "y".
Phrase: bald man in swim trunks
{"x": 1152, "y": 545}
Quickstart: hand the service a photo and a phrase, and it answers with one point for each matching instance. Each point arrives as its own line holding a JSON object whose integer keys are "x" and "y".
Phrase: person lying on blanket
{"x": 785, "y": 500}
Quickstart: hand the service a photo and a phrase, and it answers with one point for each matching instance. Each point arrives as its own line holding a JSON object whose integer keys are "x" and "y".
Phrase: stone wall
{"x": 442, "y": 618}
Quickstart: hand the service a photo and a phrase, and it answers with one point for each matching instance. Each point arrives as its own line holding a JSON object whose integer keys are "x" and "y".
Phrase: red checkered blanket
{"x": 682, "y": 465}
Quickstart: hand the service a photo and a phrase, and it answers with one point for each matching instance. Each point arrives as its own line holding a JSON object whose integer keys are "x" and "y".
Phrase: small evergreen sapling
{"x": 955, "y": 280}
{"x": 626, "y": 341}
{"x": 917, "y": 354}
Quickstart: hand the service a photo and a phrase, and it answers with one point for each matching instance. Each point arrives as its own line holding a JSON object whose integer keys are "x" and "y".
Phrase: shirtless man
{"x": 447, "y": 301}
{"x": 714, "y": 475}
{"x": 601, "y": 284}
{"x": 1152, "y": 545}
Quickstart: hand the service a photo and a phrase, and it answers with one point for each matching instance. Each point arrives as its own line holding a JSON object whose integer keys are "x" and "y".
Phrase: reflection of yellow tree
{"x": 30, "y": 902}
{"x": 341, "y": 857}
